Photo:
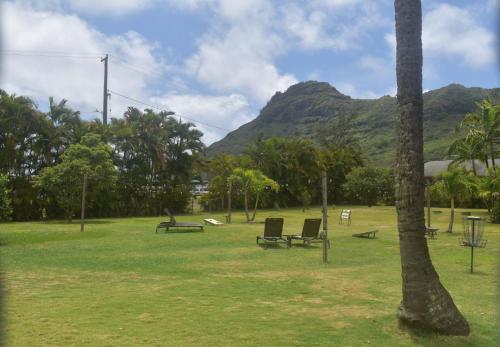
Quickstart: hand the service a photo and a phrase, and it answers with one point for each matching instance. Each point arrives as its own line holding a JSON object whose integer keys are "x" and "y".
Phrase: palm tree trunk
{"x": 426, "y": 303}
{"x": 245, "y": 200}
{"x": 255, "y": 208}
{"x": 492, "y": 153}
{"x": 452, "y": 216}
{"x": 474, "y": 167}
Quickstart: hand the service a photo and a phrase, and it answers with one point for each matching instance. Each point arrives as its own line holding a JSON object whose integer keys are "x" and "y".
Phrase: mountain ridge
{"x": 305, "y": 107}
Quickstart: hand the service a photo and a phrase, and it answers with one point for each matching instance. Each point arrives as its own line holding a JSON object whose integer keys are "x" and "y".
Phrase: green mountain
{"x": 308, "y": 106}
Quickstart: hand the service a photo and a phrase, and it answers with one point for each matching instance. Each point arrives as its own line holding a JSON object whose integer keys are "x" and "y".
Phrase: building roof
{"x": 434, "y": 168}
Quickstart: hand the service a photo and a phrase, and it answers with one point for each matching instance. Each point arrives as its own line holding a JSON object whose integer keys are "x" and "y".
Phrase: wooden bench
{"x": 366, "y": 234}
{"x": 345, "y": 215}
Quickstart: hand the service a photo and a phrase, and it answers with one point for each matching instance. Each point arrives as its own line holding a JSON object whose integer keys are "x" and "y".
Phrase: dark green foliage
{"x": 295, "y": 164}
{"x": 154, "y": 155}
{"x": 369, "y": 185}
{"x": 64, "y": 181}
{"x": 5, "y": 201}
{"x": 495, "y": 213}
{"x": 307, "y": 107}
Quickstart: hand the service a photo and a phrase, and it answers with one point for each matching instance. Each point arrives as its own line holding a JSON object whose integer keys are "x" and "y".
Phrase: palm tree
{"x": 467, "y": 149}
{"x": 454, "y": 184}
{"x": 489, "y": 188}
{"x": 426, "y": 303}
{"x": 484, "y": 127}
{"x": 252, "y": 181}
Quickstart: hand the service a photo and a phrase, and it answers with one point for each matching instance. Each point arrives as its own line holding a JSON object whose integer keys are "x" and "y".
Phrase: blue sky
{"x": 219, "y": 61}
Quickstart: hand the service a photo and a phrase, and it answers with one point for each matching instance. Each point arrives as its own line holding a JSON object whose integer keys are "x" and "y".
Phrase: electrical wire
{"x": 160, "y": 109}
{"x": 47, "y": 54}
{"x": 54, "y": 54}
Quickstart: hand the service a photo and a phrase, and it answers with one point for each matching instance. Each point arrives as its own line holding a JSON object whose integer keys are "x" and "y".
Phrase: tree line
{"x": 478, "y": 132}
{"x": 292, "y": 168}
{"x": 136, "y": 165}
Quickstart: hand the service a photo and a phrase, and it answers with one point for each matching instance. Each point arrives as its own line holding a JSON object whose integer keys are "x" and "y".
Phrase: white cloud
{"x": 309, "y": 28}
{"x": 351, "y": 90}
{"x": 108, "y": 7}
{"x": 240, "y": 57}
{"x": 452, "y": 31}
{"x": 92, "y": 7}
{"x": 378, "y": 66}
{"x": 226, "y": 112}
{"x": 338, "y": 3}
{"x": 332, "y": 24}
{"x": 72, "y": 67}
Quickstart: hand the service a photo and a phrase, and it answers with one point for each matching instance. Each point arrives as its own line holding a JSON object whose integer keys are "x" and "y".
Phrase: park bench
{"x": 345, "y": 215}
{"x": 366, "y": 234}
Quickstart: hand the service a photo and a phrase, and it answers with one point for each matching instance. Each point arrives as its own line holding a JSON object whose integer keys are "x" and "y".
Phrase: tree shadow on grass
{"x": 181, "y": 231}
{"x": 33, "y": 237}
{"x": 306, "y": 246}
{"x": 426, "y": 337}
{"x": 77, "y": 222}
{"x": 267, "y": 246}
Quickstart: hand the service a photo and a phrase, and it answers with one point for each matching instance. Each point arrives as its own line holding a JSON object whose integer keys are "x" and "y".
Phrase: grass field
{"x": 119, "y": 283}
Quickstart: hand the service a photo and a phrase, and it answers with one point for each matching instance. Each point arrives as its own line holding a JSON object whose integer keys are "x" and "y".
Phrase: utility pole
{"x": 105, "y": 94}
{"x": 84, "y": 193}
{"x": 228, "y": 217}
{"x": 326, "y": 242}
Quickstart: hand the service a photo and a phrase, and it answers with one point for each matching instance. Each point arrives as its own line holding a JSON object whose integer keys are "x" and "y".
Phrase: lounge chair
{"x": 273, "y": 230}
{"x": 310, "y": 232}
{"x": 172, "y": 223}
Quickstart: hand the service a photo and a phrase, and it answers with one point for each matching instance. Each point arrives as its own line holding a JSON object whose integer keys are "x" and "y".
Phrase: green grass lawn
{"x": 119, "y": 283}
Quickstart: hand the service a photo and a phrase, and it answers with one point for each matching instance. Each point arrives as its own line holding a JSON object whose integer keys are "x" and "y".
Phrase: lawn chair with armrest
{"x": 273, "y": 230}
{"x": 310, "y": 232}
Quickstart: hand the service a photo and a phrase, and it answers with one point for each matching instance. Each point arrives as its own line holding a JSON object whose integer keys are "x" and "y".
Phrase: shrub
{"x": 495, "y": 213}
{"x": 369, "y": 185}
{"x": 5, "y": 200}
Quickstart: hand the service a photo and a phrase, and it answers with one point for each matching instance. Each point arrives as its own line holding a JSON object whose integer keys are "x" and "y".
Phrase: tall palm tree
{"x": 484, "y": 126}
{"x": 467, "y": 149}
{"x": 426, "y": 303}
{"x": 489, "y": 188}
{"x": 454, "y": 184}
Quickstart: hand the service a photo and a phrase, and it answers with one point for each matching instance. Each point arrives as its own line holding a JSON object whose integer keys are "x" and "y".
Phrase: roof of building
{"x": 434, "y": 168}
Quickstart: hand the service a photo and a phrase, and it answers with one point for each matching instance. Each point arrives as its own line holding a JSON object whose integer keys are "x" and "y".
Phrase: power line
{"x": 160, "y": 109}
{"x": 134, "y": 67}
{"x": 47, "y": 54}
{"x": 55, "y": 54}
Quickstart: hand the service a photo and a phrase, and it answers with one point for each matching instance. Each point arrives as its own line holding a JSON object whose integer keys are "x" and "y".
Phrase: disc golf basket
{"x": 473, "y": 236}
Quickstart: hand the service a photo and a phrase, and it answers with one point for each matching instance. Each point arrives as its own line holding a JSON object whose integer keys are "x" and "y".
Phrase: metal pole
{"x": 84, "y": 192}
{"x": 105, "y": 93}
{"x": 325, "y": 217}
{"x": 472, "y": 248}
{"x": 428, "y": 196}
